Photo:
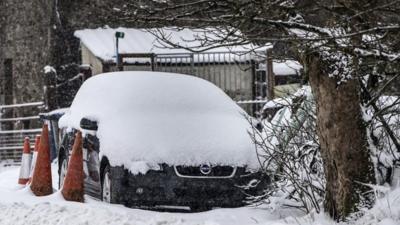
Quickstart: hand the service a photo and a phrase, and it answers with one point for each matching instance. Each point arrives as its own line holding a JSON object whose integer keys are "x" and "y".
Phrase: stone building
{"x": 34, "y": 34}
{"x": 25, "y": 44}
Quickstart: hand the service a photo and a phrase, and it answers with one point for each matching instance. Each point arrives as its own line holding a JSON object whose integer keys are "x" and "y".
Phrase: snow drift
{"x": 155, "y": 117}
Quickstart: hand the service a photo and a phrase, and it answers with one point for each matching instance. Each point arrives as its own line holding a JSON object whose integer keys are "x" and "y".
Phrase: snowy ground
{"x": 19, "y": 206}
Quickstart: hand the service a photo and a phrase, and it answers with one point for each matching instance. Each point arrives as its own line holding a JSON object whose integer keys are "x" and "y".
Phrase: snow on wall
{"x": 168, "y": 118}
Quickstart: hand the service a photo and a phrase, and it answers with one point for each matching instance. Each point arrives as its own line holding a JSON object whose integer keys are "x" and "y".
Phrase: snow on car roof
{"x": 101, "y": 42}
{"x": 156, "y": 117}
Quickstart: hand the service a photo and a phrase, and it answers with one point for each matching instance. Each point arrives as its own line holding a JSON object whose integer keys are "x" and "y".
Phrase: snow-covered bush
{"x": 288, "y": 147}
{"x": 384, "y": 137}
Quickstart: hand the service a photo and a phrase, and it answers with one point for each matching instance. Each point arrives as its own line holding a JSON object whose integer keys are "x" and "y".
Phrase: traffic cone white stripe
{"x": 25, "y": 167}
{"x": 33, "y": 163}
{"x": 25, "y": 163}
{"x": 34, "y": 157}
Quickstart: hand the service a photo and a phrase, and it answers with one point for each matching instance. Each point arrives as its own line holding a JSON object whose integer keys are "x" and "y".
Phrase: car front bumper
{"x": 165, "y": 187}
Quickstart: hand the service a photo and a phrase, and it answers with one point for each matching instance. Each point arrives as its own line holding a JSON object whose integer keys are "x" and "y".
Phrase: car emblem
{"x": 205, "y": 169}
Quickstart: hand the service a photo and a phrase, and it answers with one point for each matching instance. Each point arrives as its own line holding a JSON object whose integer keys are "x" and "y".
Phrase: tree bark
{"x": 344, "y": 146}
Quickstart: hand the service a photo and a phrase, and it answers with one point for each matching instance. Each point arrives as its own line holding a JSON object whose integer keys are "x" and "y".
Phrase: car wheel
{"x": 63, "y": 171}
{"x": 111, "y": 184}
{"x": 106, "y": 185}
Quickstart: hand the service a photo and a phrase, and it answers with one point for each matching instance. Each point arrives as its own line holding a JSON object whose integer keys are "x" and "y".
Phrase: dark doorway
{"x": 8, "y": 81}
{"x": 8, "y": 92}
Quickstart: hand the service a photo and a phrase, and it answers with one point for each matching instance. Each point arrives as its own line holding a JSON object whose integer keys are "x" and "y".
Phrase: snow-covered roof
{"x": 284, "y": 67}
{"x": 101, "y": 42}
{"x": 288, "y": 67}
{"x": 155, "y": 117}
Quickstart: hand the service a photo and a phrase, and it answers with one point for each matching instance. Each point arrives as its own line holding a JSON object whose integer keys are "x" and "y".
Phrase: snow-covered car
{"x": 155, "y": 139}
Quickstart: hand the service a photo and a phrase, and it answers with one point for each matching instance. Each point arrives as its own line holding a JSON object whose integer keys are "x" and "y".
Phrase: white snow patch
{"x": 288, "y": 67}
{"x": 284, "y": 68}
{"x": 276, "y": 103}
{"x": 49, "y": 69}
{"x": 19, "y": 206}
{"x": 141, "y": 167}
{"x": 60, "y": 111}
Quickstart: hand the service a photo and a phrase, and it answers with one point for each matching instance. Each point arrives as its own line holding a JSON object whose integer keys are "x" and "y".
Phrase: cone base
{"x": 73, "y": 195}
{"x": 42, "y": 191}
{"x": 23, "y": 181}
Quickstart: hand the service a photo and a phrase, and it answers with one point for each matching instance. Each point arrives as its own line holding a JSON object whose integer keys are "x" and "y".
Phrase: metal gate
{"x": 234, "y": 72}
{"x": 12, "y": 138}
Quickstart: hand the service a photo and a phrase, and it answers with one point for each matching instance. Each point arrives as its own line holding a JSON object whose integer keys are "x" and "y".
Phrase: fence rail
{"x": 11, "y": 140}
{"x": 11, "y": 145}
{"x": 22, "y": 105}
{"x": 20, "y": 119}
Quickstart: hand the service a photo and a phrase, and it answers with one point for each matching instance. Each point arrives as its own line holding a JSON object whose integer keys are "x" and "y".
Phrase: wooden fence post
{"x": 50, "y": 91}
{"x": 120, "y": 62}
{"x": 270, "y": 76}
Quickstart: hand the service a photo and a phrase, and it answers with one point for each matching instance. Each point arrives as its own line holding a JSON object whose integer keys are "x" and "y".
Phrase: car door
{"x": 91, "y": 165}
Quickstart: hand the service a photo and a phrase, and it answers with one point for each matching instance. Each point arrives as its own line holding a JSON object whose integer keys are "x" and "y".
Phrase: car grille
{"x": 195, "y": 172}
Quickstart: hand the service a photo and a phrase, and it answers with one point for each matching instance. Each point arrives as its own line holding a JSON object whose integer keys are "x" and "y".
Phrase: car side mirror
{"x": 88, "y": 124}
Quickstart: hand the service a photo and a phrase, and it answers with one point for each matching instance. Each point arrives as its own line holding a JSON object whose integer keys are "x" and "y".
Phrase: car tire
{"x": 63, "y": 167}
{"x": 110, "y": 185}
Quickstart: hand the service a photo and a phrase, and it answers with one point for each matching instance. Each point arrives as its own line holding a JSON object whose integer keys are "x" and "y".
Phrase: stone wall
{"x": 25, "y": 43}
{"x": 26, "y": 40}
{"x": 36, "y": 33}
{"x": 2, "y": 39}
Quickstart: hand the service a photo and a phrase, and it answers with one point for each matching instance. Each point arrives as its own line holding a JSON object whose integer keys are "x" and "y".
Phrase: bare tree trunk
{"x": 344, "y": 146}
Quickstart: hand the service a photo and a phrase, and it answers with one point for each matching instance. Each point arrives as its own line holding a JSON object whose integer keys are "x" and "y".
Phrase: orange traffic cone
{"x": 24, "y": 171}
{"x": 72, "y": 189}
{"x": 41, "y": 181}
{"x": 35, "y": 152}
